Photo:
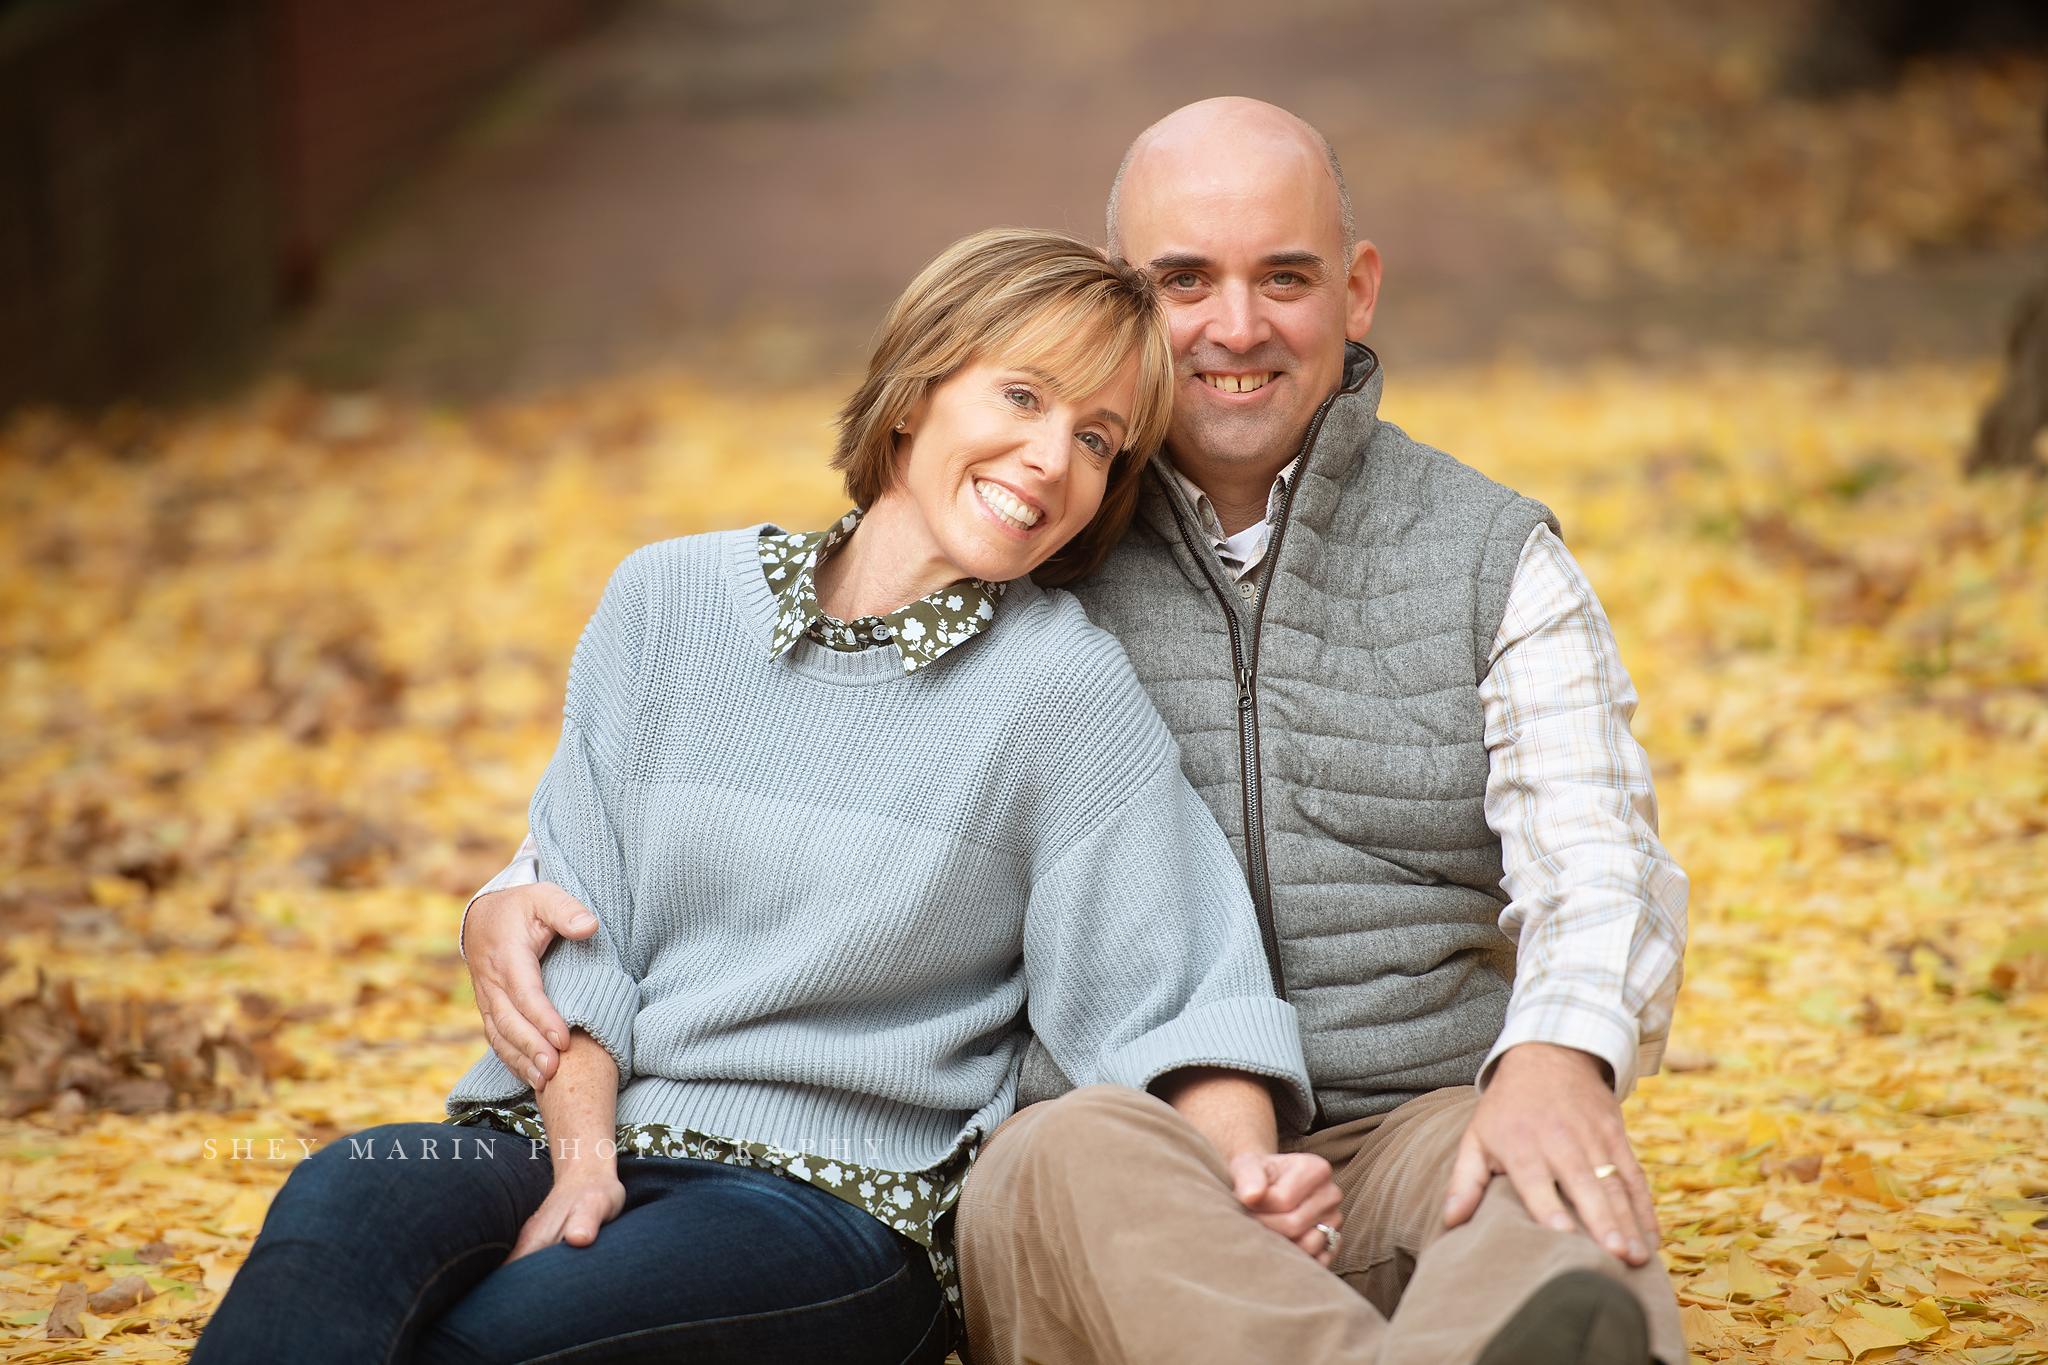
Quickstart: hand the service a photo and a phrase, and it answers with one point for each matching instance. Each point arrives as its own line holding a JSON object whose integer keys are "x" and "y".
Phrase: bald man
{"x": 1401, "y": 700}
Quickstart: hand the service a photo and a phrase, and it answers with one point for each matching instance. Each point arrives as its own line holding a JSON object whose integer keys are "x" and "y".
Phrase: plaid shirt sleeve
{"x": 1596, "y": 905}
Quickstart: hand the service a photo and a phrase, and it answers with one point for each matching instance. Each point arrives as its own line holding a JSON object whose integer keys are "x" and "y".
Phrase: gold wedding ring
{"x": 1602, "y": 1172}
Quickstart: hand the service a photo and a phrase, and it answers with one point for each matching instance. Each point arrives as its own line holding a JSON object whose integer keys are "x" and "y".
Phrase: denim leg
{"x": 708, "y": 1262}
{"x": 397, "y": 1223}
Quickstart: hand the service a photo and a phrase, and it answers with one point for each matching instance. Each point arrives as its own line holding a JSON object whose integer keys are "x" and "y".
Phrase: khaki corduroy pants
{"x": 1100, "y": 1229}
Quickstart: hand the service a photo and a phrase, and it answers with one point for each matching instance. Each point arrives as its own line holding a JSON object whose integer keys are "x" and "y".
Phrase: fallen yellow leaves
{"x": 1842, "y": 650}
{"x": 278, "y": 686}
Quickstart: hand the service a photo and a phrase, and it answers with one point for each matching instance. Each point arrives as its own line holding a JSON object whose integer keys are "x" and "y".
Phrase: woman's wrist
{"x": 584, "y": 1160}
{"x": 579, "y": 1107}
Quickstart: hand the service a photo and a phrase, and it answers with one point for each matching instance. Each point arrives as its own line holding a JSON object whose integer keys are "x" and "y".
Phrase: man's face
{"x": 1249, "y": 255}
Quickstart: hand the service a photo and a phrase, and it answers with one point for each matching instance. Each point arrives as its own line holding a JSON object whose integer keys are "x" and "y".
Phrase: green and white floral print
{"x": 912, "y": 1203}
{"x": 922, "y": 631}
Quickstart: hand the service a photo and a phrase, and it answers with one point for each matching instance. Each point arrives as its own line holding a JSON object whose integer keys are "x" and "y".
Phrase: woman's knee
{"x": 397, "y": 1173}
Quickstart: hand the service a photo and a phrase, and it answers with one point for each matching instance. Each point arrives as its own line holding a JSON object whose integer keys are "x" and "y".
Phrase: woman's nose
{"x": 1048, "y": 453}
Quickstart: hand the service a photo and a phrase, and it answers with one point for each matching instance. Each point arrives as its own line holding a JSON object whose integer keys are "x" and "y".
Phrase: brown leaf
{"x": 125, "y": 1292}
{"x": 63, "y": 1320}
{"x": 1804, "y": 1169}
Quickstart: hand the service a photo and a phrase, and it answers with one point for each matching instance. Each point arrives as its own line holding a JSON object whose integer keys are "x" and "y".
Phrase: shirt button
{"x": 1246, "y": 588}
{"x": 883, "y": 632}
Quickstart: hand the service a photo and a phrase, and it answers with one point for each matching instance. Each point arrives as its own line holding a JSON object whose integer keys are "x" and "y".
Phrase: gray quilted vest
{"x": 1332, "y": 723}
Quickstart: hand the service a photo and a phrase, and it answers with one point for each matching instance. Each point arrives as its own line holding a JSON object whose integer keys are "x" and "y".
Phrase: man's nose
{"x": 1238, "y": 323}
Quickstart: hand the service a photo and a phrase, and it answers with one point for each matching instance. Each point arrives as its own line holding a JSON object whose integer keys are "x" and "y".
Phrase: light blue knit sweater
{"x": 828, "y": 890}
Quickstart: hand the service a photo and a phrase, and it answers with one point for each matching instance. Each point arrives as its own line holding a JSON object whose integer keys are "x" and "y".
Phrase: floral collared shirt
{"x": 921, "y": 632}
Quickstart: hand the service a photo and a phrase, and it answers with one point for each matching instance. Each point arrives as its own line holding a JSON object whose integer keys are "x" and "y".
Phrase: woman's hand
{"x": 577, "y": 1108}
{"x": 582, "y": 1201}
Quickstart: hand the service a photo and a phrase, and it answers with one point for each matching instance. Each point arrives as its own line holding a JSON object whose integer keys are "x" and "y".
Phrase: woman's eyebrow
{"x": 1107, "y": 414}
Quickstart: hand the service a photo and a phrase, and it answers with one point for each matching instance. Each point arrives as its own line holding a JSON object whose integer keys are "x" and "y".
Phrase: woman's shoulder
{"x": 1076, "y": 671}
{"x": 688, "y": 555}
{"x": 666, "y": 581}
{"x": 1049, "y": 627}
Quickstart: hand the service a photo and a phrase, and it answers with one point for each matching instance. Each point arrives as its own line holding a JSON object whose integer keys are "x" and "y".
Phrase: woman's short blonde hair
{"x": 1037, "y": 299}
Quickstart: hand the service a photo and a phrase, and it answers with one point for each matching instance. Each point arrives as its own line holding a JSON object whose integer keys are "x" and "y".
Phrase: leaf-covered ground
{"x": 280, "y": 675}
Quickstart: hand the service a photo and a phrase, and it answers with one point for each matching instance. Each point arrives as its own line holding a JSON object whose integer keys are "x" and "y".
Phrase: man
{"x": 1402, "y": 702}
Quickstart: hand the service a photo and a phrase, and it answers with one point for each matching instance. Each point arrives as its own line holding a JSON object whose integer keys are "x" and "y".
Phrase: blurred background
{"x": 463, "y": 199}
{"x": 346, "y": 346}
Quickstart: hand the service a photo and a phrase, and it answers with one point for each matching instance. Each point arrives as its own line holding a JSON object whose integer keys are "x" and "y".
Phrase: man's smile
{"x": 1239, "y": 383}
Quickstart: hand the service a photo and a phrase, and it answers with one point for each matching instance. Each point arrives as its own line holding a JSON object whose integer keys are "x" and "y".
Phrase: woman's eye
{"x": 1023, "y": 398}
{"x": 1095, "y": 442}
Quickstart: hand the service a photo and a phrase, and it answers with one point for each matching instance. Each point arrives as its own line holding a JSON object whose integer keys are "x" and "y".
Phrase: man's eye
{"x": 1186, "y": 279}
{"x": 1286, "y": 280}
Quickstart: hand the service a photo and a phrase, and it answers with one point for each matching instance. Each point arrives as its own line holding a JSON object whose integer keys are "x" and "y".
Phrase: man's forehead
{"x": 1268, "y": 221}
{"x": 1242, "y": 188}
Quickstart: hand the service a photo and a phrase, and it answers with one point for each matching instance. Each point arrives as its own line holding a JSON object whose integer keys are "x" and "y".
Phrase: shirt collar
{"x": 922, "y": 632}
{"x": 1244, "y": 551}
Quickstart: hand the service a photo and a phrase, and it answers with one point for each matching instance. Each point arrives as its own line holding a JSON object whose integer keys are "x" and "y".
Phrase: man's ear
{"x": 1362, "y": 290}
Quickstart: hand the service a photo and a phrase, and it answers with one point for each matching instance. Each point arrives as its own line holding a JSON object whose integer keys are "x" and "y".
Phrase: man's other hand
{"x": 1549, "y": 1121}
{"x": 504, "y": 936}
{"x": 1290, "y": 1193}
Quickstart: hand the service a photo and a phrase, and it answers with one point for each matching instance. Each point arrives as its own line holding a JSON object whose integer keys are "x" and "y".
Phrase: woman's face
{"x": 1004, "y": 470}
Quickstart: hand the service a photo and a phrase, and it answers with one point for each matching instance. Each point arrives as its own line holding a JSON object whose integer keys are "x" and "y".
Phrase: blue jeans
{"x": 367, "y": 1257}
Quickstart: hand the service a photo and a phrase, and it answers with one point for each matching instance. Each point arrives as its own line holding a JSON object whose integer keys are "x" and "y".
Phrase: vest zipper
{"x": 1245, "y": 663}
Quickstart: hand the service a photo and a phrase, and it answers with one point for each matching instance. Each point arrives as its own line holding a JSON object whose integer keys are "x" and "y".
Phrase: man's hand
{"x": 1549, "y": 1120}
{"x": 1290, "y": 1194}
{"x": 504, "y": 936}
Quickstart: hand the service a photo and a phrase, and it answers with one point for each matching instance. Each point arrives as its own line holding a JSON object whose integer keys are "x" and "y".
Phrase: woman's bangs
{"x": 1079, "y": 343}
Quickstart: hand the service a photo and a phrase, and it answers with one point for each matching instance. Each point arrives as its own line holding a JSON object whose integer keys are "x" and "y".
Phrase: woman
{"x": 858, "y": 813}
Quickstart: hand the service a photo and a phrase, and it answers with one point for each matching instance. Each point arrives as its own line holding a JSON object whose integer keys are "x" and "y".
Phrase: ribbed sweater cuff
{"x": 590, "y": 992}
{"x": 1258, "y": 1035}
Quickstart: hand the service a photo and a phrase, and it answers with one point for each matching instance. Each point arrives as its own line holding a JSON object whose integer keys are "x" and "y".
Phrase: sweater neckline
{"x": 758, "y": 608}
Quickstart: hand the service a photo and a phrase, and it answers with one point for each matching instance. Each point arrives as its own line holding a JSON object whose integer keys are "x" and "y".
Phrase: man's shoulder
{"x": 1395, "y": 460}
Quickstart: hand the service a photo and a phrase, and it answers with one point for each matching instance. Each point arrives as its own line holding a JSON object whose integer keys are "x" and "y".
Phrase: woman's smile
{"x": 1008, "y": 508}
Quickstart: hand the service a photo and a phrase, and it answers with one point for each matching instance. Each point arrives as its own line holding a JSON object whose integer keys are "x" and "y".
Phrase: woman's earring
{"x": 900, "y": 426}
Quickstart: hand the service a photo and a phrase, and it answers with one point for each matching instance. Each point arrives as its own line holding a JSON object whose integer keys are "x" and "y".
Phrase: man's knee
{"x": 1100, "y": 1135}
{"x": 1103, "y": 1126}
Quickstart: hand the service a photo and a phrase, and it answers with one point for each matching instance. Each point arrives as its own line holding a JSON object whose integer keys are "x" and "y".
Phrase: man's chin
{"x": 1238, "y": 435}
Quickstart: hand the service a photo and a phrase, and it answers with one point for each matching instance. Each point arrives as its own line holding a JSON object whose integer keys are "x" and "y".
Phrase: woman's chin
{"x": 996, "y": 556}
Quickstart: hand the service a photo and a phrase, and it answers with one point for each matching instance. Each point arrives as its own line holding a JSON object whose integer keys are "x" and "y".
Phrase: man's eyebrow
{"x": 1190, "y": 261}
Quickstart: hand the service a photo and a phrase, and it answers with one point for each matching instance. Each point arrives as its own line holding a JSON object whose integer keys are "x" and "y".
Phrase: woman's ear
{"x": 913, "y": 419}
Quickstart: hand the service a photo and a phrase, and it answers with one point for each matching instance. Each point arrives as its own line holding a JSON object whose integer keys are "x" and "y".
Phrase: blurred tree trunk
{"x": 2011, "y": 421}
